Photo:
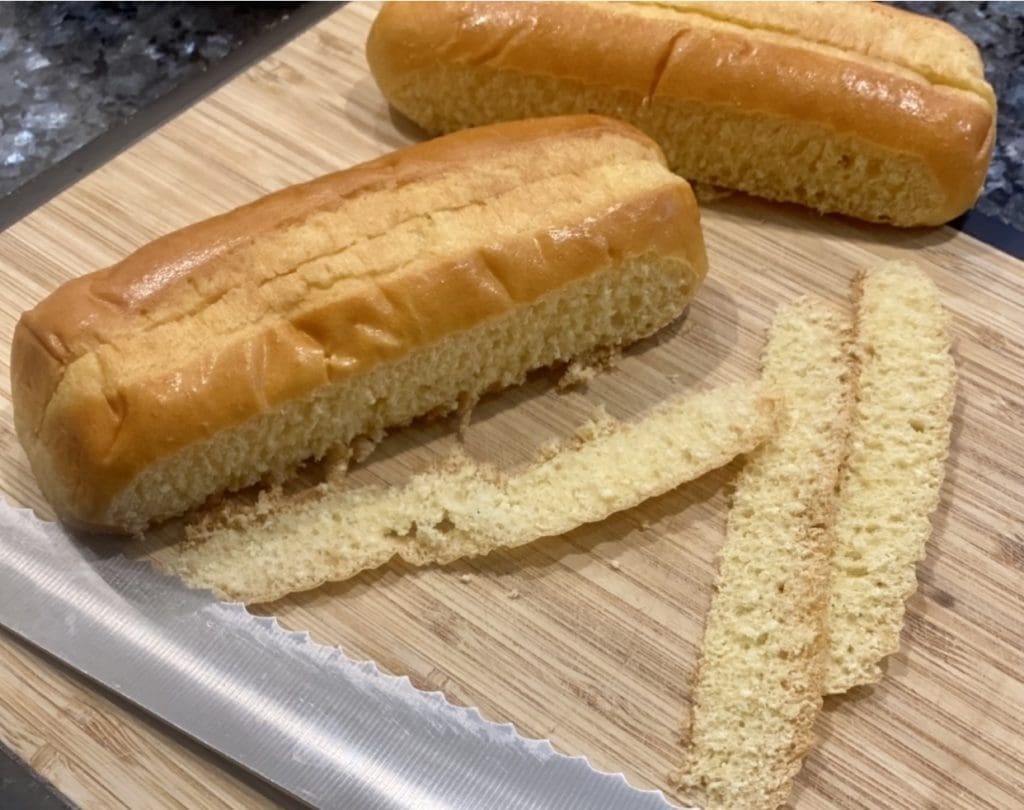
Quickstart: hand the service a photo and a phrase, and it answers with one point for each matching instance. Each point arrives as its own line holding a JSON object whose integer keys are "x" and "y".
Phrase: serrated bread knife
{"x": 327, "y": 730}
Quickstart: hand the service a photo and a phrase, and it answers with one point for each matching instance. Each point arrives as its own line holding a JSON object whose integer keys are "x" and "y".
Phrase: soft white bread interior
{"x": 238, "y": 347}
{"x": 759, "y": 682}
{"x": 465, "y": 508}
{"x": 891, "y": 481}
{"x": 853, "y": 108}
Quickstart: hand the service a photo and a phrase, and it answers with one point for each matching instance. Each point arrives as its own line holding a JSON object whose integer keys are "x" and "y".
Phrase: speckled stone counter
{"x": 72, "y": 71}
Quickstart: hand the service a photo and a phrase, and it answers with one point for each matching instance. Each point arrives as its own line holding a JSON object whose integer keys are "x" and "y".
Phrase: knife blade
{"x": 323, "y": 728}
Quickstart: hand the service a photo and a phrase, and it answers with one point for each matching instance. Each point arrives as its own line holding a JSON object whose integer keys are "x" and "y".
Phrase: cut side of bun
{"x": 893, "y": 474}
{"x": 465, "y": 508}
{"x": 759, "y": 683}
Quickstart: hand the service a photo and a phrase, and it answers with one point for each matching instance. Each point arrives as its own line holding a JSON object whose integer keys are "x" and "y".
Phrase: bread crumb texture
{"x": 759, "y": 682}
{"x": 464, "y": 508}
{"x": 618, "y": 304}
{"x": 801, "y": 161}
{"x": 890, "y": 485}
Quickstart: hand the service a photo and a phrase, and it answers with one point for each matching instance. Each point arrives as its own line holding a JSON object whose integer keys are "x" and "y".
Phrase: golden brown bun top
{"x": 171, "y": 273}
{"x": 930, "y": 48}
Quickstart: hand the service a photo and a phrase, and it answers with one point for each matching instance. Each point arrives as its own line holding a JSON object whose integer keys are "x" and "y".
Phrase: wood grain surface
{"x": 588, "y": 639}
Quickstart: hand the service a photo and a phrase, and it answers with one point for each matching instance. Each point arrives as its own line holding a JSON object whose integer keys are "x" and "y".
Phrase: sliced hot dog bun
{"x": 847, "y": 107}
{"x": 242, "y": 345}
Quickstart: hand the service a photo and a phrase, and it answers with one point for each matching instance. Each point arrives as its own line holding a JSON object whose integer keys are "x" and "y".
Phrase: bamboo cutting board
{"x": 589, "y": 639}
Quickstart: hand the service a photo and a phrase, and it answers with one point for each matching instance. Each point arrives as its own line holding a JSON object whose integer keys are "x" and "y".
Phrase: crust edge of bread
{"x": 433, "y": 519}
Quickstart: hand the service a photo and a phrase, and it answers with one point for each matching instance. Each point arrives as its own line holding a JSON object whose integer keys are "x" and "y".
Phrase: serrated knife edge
{"x": 328, "y": 730}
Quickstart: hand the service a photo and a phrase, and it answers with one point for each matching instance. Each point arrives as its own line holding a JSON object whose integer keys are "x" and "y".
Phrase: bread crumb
{"x": 583, "y": 369}
{"x": 615, "y": 565}
{"x": 336, "y": 461}
{"x": 464, "y": 578}
{"x": 600, "y": 424}
{"x": 363, "y": 446}
{"x": 548, "y": 450}
{"x": 465, "y": 414}
{"x": 706, "y": 192}
{"x": 577, "y": 373}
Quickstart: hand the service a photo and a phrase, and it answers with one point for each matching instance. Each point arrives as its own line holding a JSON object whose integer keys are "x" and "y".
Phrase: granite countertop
{"x": 70, "y": 72}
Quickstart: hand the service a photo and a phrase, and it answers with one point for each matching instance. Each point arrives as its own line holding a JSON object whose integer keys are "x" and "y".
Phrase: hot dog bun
{"x": 852, "y": 108}
{"x": 242, "y": 345}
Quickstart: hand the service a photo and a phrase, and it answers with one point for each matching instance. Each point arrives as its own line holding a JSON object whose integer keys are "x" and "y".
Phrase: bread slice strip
{"x": 465, "y": 508}
{"x": 758, "y": 686}
{"x": 890, "y": 484}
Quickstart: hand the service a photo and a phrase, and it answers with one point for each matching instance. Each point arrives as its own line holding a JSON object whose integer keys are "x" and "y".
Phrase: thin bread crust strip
{"x": 759, "y": 684}
{"x": 892, "y": 476}
{"x": 463, "y": 508}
